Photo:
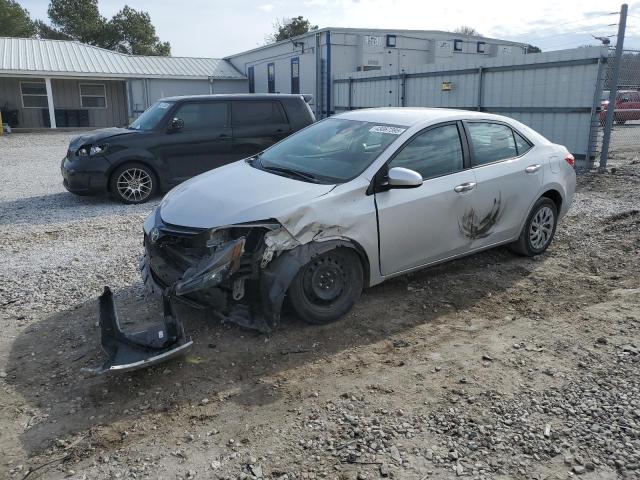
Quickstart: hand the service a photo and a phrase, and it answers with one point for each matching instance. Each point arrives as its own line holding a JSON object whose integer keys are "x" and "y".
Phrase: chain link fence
{"x": 625, "y": 134}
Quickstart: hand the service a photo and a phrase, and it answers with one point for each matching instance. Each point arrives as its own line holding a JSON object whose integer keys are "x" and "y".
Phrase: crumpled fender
{"x": 275, "y": 280}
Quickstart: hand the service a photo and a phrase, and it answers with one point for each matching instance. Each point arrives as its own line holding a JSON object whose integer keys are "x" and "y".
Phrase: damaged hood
{"x": 95, "y": 136}
{"x": 235, "y": 193}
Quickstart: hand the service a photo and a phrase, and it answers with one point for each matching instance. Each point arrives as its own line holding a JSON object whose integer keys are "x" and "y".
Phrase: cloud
{"x": 267, "y": 7}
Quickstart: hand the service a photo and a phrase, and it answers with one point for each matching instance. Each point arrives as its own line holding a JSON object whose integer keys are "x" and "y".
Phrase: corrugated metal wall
{"x": 552, "y": 92}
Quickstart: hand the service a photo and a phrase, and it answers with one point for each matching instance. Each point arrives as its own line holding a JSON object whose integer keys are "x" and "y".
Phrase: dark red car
{"x": 627, "y": 106}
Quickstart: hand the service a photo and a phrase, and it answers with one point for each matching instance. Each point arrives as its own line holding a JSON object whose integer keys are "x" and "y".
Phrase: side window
{"x": 435, "y": 152}
{"x": 490, "y": 142}
{"x": 202, "y": 116}
{"x": 256, "y": 113}
{"x": 522, "y": 144}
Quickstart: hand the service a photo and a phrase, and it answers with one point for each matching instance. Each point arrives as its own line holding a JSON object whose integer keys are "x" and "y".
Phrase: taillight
{"x": 569, "y": 159}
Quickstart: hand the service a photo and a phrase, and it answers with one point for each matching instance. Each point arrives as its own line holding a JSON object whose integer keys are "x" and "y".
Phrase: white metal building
{"x": 69, "y": 84}
{"x": 307, "y": 63}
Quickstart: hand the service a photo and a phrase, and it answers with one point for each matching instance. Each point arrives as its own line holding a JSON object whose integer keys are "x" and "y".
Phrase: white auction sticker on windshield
{"x": 163, "y": 105}
{"x": 385, "y": 129}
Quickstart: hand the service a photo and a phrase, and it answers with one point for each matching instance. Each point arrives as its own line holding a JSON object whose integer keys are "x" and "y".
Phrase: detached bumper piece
{"x": 131, "y": 351}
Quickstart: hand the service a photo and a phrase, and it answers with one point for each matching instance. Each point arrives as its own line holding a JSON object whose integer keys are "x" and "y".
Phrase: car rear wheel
{"x": 133, "y": 183}
{"x": 539, "y": 229}
{"x": 327, "y": 287}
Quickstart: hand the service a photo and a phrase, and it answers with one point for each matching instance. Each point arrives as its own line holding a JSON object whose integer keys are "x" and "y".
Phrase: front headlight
{"x": 89, "y": 150}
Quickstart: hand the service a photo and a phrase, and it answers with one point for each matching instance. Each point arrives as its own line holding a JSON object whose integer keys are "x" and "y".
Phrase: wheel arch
{"x": 556, "y": 197}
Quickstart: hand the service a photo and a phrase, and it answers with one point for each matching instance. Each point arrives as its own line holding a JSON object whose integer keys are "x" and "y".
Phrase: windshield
{"x": 151, "y": 116}
{"x": 334, "y": 150}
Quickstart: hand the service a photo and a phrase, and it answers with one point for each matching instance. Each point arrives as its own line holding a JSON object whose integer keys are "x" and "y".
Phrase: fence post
{"x": 480, "y": 80}
{"x": 595, "y": 117}
{"x": 613, "y": 88}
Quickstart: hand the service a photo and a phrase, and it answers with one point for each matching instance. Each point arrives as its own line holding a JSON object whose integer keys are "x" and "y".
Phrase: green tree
{"x": 15, "y": 20}
{"x": 131, "y": 31}
{"x": 79, "y": 20}
{"x": 290, "y": 27}
{"x": 533, "y": 49}
{"x": 465, "y": 30}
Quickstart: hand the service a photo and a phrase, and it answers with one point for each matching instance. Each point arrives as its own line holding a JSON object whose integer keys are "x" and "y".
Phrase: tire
{"x": 133, "y": 183}
{"x": 544, "y": 213}
{"x": 327, "y": 287}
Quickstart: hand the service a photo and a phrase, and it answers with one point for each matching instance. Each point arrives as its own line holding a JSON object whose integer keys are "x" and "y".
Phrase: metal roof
{"x": 32, "y": 56}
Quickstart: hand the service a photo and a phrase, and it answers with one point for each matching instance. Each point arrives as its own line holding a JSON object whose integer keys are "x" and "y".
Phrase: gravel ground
{"x": 490, "y": 367}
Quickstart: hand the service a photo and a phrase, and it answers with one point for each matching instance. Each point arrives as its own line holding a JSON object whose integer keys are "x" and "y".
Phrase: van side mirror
{"x": 176, "y": 124}
{"x": 400, "y": 177}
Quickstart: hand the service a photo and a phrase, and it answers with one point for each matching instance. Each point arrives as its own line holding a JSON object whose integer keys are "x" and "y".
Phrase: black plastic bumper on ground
{"x": 158, "y": 343}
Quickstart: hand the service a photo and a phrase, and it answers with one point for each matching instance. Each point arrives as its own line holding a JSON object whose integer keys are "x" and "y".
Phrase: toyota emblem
{"x": 155, "y": 234}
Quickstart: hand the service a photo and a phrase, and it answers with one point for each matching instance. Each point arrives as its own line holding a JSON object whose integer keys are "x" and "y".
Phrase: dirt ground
{"x": 493, "y": 366}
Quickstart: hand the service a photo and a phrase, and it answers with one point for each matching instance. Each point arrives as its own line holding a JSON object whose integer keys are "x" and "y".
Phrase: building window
{"x": 295, "y": 75}
{"x": 271, "y": 77}
{"x": 457, "y": 45}
{"x": 391, "y": 40}
{"x": 252, "y": 79}
{"x": 34, "y": 95}
{"x": 93, "y": 95}
{"x": 481, "y": 48}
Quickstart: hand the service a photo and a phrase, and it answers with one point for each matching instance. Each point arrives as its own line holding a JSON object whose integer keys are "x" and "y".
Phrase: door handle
{"x": 532, "y": 168}
{"x": 465, "y": 187}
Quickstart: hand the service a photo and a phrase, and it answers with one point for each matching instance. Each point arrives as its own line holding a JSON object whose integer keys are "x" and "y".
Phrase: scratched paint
{"x": 474, "y": 227}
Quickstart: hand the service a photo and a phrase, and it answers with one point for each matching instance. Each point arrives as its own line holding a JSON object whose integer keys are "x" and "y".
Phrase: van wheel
{"x": 327, "y": 287}
{"x": 538, "y": 230}
{"x": 133, "y": 183}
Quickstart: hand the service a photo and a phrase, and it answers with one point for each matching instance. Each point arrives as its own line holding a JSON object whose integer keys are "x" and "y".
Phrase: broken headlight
{"x": 212, "y": 269}
{"x": 89, "y": 150}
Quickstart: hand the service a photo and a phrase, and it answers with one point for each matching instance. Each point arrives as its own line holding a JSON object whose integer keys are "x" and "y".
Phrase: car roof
{"x": 232, "y": 96}
{"x": 410, "y": 116}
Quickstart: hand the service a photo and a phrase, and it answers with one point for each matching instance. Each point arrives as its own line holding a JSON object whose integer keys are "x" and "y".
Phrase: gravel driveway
{"x": 490, "y": 367}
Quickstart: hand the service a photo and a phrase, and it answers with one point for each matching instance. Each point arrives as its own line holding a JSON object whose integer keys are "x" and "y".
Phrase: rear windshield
{"x": 151, "y": 116}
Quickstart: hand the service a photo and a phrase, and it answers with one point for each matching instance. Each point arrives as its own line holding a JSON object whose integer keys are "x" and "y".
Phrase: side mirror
{"x": 176, "y": 124}
{"x": 400, "y": 177}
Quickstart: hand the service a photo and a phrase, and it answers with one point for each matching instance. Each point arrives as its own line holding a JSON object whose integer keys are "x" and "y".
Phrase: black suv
{"x": 177, "y": 138}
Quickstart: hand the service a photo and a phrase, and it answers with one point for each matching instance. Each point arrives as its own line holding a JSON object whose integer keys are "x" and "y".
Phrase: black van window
{"x": 202, "y": 115}
{"x": 256, "y": 113}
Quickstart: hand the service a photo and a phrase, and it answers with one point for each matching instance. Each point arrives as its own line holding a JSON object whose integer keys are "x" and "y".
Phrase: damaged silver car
{"x": 342, "y": 205}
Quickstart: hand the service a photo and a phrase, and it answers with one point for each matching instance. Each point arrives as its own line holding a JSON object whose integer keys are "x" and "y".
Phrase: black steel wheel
{"x": 133, "y": 183}
{"x": 327, "y": 287}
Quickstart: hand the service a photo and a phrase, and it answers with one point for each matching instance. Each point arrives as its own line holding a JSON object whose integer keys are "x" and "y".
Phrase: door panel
{"x": 506, "y": 187}
{"x": 202, "y": 144}
{"x": 423, "y": 225}
{"x": 256, "y": 126}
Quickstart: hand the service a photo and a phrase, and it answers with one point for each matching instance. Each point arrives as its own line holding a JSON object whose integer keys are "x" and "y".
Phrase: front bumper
{"x": 85, "y": 177}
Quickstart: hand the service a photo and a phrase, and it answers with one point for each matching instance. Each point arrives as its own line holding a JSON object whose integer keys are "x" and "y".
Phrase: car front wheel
{"x": 327, "y": 287}
{"x": 539, "y": 229}
{"x": 133, "y": 183}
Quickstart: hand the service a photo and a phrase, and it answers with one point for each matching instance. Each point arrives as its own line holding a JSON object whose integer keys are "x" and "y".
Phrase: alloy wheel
{"x": 541, "y": 228}
{"x": 134, "y": 184}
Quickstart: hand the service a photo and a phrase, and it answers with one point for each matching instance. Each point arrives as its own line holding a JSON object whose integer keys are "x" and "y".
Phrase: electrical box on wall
{"x": 447, "y": 86}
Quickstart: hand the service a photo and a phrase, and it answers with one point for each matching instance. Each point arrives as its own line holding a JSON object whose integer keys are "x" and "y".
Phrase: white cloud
{"x": 267, "y": 7}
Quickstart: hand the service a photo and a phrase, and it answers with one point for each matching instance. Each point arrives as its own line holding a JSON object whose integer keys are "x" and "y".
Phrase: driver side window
{"x": 433, "y": 153}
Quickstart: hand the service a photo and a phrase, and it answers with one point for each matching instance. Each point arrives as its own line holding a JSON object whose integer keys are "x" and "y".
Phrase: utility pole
{"x": 613, "y": 89}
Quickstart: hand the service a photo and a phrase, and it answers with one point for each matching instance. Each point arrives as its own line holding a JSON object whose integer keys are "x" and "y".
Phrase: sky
{"x": 218, "y": 28}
